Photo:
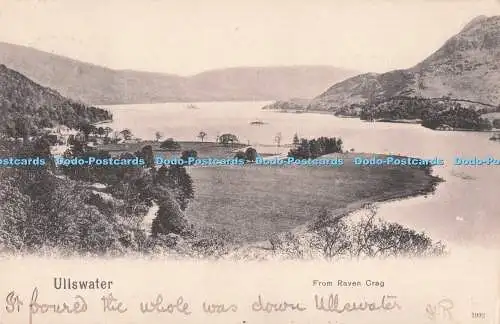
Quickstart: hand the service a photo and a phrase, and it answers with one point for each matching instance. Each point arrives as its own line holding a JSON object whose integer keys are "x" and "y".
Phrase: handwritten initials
{"x": 13, "y": 302}
{"x": 442, "y": 310}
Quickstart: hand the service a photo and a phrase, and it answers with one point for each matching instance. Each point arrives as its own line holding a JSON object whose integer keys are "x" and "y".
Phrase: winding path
{"x": 147, "y": 223}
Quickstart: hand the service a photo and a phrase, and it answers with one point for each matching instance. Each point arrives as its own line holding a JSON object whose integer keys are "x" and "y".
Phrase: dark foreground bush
{"x": 368, "y": 237}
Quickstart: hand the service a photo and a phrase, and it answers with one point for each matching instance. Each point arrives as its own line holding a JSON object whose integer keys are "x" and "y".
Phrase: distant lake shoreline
{"x": 448, "y": 214}
{"x": 383, "y": 120}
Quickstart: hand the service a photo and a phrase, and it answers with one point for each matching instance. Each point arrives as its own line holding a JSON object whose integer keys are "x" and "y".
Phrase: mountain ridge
{"x": 91, "y": 83}
{"x": 466, "y": 66}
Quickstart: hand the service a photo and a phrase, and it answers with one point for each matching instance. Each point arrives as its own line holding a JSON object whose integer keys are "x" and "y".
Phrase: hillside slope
{"x": 99, "y": 85}
{"x": 268, "y": 83}
{"x": 26, "y": 106}
{"x": 467, "y": 66}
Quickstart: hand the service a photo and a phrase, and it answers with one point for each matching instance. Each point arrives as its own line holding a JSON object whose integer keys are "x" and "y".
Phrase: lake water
{"x": 464, "y": 210}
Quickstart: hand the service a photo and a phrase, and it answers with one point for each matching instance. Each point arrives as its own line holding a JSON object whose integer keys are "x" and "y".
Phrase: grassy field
{"x": 254, "y": 201}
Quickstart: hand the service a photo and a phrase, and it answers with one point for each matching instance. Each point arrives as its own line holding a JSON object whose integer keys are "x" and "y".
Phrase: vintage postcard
{"x": 249, "y": 162}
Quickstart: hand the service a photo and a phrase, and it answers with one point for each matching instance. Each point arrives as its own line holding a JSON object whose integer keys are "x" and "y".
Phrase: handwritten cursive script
{"x": 111, "y": 304}
{"x": 332, "y": 304}
{"x": 260, "y": 306}
{"x": 157, "y": 306}
{"x": 13, "y": 302}
{"x": 441, "y": 309}
{"x": 78, "y": 306}
{"x": 219, "y": 308}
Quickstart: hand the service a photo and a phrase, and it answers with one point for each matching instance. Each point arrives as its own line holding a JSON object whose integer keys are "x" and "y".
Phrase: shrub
{"x": 240, "y": 155}
{"x": 368, "y": 237}
{"x": 250, "y": 154}
{"x": 189, "y": 154}
{"x": 170, "y": 144}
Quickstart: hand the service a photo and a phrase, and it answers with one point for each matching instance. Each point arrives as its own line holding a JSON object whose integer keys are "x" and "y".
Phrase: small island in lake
{"x": 257, "y": 122}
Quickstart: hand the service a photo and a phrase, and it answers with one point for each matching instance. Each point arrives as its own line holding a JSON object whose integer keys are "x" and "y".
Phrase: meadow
{"x": 254, "y": 201}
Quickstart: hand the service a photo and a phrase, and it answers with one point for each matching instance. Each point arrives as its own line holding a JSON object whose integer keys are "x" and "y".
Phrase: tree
{"x": 339, "y": 145}
{"x": 484, "y": 124}
{"x": 101, "y": 131}
{"x": 116, "y": 137}
{"x": 251, "y": 154}
{"x": 371, "y": 237}
{"x": 189, "y": 154}
{"x": 176, "y": 178}
{"x": 77, "y": 148}
{"x": 23, "y": 127}
{"x": 52, "y": 213}
{"x": 126, "y": 133}
{"x": 240, "y": 155}
{"x": 303, "y": 151}
{"x": 226, "y": 139}
{"x": 86, "y": 128}
{"x": 170, "y": 144}
{"x": 107, "y": 131}
{"x": 158, "y": 136}
{"x": 169, "y": 218}
{"x": 296, "y": 140}
{"x": 202, "y": 135}
{"x": 148, "y": 155}
{"x": 315, "y": 148}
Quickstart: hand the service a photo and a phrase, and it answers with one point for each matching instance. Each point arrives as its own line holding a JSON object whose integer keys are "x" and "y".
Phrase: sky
{"x": 190, "y": 36}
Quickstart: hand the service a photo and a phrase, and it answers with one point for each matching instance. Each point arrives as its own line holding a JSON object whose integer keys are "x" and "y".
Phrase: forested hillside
{"x": 26, "y": 107}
